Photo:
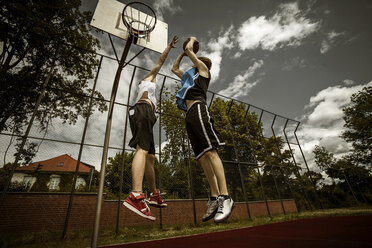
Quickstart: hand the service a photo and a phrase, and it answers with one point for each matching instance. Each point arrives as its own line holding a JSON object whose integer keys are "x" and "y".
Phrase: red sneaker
{"x": 139, "y": 206}
{"x": 156, "y": 200}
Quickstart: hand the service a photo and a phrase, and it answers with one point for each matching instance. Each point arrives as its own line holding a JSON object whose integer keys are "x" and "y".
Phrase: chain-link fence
{"x": 263, "y": 159}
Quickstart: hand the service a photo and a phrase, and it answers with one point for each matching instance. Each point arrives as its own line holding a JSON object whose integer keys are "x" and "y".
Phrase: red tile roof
{"x": 69, "y": 165}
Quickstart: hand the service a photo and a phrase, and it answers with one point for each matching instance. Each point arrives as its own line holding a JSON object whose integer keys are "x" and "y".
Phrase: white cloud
{"x": 324, "y": 124}
{"x": 237, "y": 55}
{"x": 287, "y": 27}
{"x": 215, "y": 48}
{"x": 328, "y": 104}
{"x": 243, "y": 84}
{"x": 163, "y": 6}
{"x": 329, "y": 41}
{"x": 348, "y": 82}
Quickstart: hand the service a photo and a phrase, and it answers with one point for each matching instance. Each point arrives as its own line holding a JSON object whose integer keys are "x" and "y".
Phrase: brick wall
{"x": 22, "y": 212}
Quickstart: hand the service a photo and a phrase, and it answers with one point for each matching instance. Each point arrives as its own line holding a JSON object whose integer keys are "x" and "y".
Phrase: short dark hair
{"x": 206, "y": 61}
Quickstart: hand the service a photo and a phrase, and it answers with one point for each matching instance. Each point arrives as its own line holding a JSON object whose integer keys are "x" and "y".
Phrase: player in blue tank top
{"x": 203, "y": 136}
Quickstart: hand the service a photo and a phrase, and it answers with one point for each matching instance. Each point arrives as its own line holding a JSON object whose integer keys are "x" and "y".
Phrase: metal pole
{"x": 238, "y": 160}
{"x": 281, "y": 158}
{"x": 24, "y": 138}
{"x": 361, "y": 193}
{"x": 106, "y": 143}
{"x": 270, "y": 164}
{"x": 263, "y": 191}
{"x": 256, "y": 163}
{"x": 295, "y": 163}
{"x": 191, "y": 182}
{"x": 123, "y": 154}
{"x": 91, "y": 177}
{"x": 351, "y": 189}
{"x": 80, "y": 153}
{"x": 307, "y": 167}
{"x": 159, "y": 173}
{"x": 113, "y": 48}
{"x": 210, "y": 103}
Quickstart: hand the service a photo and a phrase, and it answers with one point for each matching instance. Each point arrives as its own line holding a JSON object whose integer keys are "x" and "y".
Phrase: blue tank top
{"x": 194, "y": 87}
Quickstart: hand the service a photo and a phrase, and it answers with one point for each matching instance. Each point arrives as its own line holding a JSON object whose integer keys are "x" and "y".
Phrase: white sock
{"x": 136, "y": 193}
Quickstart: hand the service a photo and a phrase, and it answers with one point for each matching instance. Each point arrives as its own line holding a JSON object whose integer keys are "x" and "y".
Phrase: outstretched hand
{"x": 174, "y": 41}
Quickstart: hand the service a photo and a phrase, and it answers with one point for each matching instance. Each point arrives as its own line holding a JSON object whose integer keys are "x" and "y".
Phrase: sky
{"x": 299, "y": 59}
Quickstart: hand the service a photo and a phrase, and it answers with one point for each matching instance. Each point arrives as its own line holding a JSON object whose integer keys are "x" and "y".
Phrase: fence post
{"x": 281, "y": 158}
{"x": 123, "y": 153}
{"x": 80, "y": 152}
{"x": 106, "y": 144}
{"x": 269, "y": 162}
{"x": 210, "y": 103}
{"x": 351, "y": 189}
{"x": 257, "y": 166}
{"x": 238, "y": 160}
{"x": 307, "y": 167}
{"x": 191, "y": 182}
{"x": 25, "y": 136}
{"x": 297, "y": 170}
{"x": 159, "y": 173}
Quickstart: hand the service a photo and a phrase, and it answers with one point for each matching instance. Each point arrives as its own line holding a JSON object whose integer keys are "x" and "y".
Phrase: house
{"x": 52, "y": 171}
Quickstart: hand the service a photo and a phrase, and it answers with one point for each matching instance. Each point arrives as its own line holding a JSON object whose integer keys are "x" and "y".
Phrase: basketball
{"x": 195, "y": 48}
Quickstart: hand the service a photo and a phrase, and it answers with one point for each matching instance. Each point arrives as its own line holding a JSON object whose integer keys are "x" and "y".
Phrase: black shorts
{"x": 200, "y": 129}
{"x": 142, "y": 119}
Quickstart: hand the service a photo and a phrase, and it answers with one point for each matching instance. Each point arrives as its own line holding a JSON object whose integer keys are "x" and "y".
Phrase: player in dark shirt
{"x": 203, "y": 136}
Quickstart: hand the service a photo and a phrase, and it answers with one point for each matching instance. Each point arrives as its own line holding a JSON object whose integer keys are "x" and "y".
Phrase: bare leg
{"x": 210, "y": 175}
{"x": 150, "y": 172}
{"x": 138, "y": 169}
{"x": 218, "y": 170}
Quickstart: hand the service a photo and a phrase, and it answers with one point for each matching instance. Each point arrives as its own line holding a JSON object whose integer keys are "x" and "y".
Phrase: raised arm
{"x": 202, "y": 68}
{"x": 151, "y": 76}
{"x": 176, "y": 66}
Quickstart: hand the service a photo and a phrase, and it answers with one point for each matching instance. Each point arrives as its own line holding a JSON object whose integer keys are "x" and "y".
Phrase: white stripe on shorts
{"x": 203, "y": 127}
{"x": 205, "y": 134}
{"x": 210, "y": 123}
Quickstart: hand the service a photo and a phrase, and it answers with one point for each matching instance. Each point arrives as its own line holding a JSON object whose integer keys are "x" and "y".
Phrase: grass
{"x": 131, "y": 234}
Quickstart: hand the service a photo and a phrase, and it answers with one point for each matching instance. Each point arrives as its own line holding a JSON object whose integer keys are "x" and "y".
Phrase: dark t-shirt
{"x": 199, "y": 90}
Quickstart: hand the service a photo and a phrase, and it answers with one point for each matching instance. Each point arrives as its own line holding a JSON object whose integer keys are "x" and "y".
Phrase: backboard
{"x": 108, "y": 17}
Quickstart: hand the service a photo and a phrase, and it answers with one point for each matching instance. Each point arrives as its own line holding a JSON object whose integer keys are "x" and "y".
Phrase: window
{"x": 27, "y": 181}
{"x": 54, "y": 182}
{"x": 60, "y": 164}
{"x": 80, "y": 182}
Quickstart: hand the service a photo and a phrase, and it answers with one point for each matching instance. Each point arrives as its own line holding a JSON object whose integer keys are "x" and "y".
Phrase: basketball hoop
{"x": 139, "y": 19}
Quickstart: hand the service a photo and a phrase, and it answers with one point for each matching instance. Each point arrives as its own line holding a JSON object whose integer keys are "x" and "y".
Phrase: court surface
{"x": 345, "y": 231}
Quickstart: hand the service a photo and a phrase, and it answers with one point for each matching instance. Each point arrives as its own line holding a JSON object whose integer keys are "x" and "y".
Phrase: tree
{"x": 175, "y": 154}
{"x": 4, "y": 174}
{"x": 239, "y": 130}
{"x": 353, "y": 180}
{"x": 113, "y": 169}
{"x": 357, "y": 175}
{"x": 240, "y": 133}
{"x": 323, "y": 158}
{"x": 358, "y": 119}
{"x": 37, "y": 36}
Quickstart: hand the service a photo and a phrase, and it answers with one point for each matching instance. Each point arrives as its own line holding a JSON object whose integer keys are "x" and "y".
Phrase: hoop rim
{"x": 136, "y": 32}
